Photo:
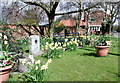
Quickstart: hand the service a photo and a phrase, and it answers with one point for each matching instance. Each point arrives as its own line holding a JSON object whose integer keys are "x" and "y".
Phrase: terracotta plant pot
{"x": 102, "y": 50}
{"x": 5, "y": 72}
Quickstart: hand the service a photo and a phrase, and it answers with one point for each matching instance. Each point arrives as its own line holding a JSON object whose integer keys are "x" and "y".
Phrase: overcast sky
{"x": 2, "y": 2}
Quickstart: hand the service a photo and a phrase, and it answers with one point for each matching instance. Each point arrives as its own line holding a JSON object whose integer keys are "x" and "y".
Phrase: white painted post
{"x": 34, "y": 44}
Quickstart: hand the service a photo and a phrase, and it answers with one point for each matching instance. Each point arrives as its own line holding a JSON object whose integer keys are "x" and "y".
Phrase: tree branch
{"x": 78, "y": 10}
{"x": 43, "y": 6}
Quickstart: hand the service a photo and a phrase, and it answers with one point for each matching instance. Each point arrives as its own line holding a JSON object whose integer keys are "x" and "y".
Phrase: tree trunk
{"x": 51, "y": 26}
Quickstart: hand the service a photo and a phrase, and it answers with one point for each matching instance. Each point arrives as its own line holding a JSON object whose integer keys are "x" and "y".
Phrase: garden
{"x": 73, "y": 59}
{"x": 43, "y": 41}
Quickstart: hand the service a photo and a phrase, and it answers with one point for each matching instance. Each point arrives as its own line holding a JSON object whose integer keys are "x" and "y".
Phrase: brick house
{"x": 93, "y": 21}
{"x": 71, "y": 26}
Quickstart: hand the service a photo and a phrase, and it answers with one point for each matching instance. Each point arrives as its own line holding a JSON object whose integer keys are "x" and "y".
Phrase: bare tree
{"x": 50, "y": 10}
{"x": 111, "y": 9}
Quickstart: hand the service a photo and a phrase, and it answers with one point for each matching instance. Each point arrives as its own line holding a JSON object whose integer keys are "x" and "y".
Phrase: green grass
{"x": 82, "y": 65}
{"x": 77, "y": 66}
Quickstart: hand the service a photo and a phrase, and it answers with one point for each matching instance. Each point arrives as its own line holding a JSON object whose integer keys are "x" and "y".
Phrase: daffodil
{"x": 31, "y": 58}
{"x": 44, "y": 67}
{"x": 37, "y": 62}
{"x": 59, "y": 47}
{"x": 66, "y": 40}
{"x": 49, "y": 60}
{"x": 5, "y": 42}
{"x": 0, "y": 34}
{"x": 36, "y": 68}
{"x": 47, "y": 43}
{"x": 5, "y": 37}
{"x": 24, "y": 61}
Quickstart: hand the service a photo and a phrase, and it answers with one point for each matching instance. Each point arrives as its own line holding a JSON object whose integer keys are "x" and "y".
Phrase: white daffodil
{"x": 46, "y": 47}
{"x": 52, "y": 48}
{"x": 56, "y": 44}
{"x": 23, "y": 61}
{"x": 28, "y": 63}
{"x": 59, "y": 47}
{"x": 44, "y": 67}
{"x": 68, "y": 43}
{"x": 5, "y": 42}
{"x": 66, "y": 40}
{"x": 37, "y": 62}
{"x": 32, "y": 58}
{"x": 72, "y": 39}
{"x": 49, "y": 60}
{"x": 5, "y": 37}
{"x": 51, "y": 44}
{"x": 64, "y": 45}
{"x": 59, "y": 43}
{"x": 0, "y": 34}
{"x": 47, "y": 43}
{"x": 36, "y": 68}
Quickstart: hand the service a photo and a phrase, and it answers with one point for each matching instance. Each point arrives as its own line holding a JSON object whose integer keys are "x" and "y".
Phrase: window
{"x": 92, "y": 19}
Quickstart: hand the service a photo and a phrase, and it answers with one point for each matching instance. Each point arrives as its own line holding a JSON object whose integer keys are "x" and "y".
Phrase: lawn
{"x": 82, "y": 65}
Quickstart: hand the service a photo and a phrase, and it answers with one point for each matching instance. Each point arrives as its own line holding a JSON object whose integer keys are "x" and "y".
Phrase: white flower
{"x": 0, "y": 34}
{"x": 46, "y": 47}
{"x": 59, "y": 43}
{"x": 68, "y": 43}
{"x": 37, "y": 62}
{"x": 29, "y": 63}
{"x": 52, "y": 47}
{"x": 5, "y": 37}
{"x": 5, "y": 42}
{"x": 49, "y": 60}
{"x": 64, "y": 45}
{"x": 72, "y": 39}
{"x": 32, "y": 58}
{"x": 47, "y": 43}
{"x": 36, "y": 68}
{"x": 44, "y": 67}
{"x": 59, "y": 48}
{"x": 24, "y": 61}
{"x": 51, "y": 44}
{"x": 56, "y": 44}
{"x": 66, "y": 40}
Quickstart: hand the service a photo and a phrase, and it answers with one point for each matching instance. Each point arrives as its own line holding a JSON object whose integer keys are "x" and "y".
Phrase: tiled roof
{"x": 72, "y": 22}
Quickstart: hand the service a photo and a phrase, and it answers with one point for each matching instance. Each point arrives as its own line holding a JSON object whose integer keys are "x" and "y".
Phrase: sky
{"x": 72, "y": 8}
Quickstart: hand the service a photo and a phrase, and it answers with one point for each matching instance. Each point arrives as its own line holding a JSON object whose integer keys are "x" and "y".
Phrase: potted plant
{"x": 7, "y": 61}
{"x": 102, "y": 44}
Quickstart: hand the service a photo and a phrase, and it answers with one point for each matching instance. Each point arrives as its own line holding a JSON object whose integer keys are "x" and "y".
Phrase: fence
{"x": 57, "y": 37}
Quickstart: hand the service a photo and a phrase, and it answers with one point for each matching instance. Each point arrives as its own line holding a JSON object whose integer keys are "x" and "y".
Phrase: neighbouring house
{"x": 93, "y": 21}
{"x": 71, "y": 26}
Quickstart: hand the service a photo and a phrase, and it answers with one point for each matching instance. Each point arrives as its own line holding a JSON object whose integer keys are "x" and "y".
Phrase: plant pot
{"x": 5, "y": 72}
{"x": 102, "y": 50}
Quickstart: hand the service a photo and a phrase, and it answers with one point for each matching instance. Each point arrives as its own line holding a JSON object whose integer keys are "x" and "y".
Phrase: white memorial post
{"x": 34, "y": 46}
